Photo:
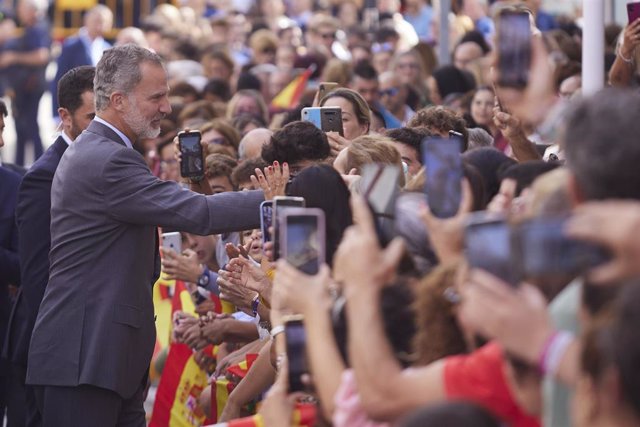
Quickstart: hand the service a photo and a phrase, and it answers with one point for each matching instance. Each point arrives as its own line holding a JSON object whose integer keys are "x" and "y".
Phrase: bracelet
{"x": 276, "y": 330}
{"x": 554, "y": 348}
{"x": 627, "y": 60}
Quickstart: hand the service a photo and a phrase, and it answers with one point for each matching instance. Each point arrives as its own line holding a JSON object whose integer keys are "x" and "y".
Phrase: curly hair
{"x": 296, "y": 142}
{"x": 440, "y": 120}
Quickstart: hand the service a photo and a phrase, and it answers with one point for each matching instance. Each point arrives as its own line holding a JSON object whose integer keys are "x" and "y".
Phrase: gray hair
{"x": 119, "y": 71}
{"x": 479, "y": 137}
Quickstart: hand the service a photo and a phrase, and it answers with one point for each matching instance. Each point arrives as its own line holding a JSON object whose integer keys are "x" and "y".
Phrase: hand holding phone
{"x": 296, "y": 340}
{"x": 192, "y": 158}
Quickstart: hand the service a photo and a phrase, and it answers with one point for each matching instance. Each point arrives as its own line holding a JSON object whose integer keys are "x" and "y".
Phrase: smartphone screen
{"x": 266, "y": 220}
{"x": 514, "y": 49}
{"x": 380, "y": 186}
{"x": 443, "y": 168}
{"x": 279, "y": 205}
{"x": 192, "y": 164}
{"x": 547, "y": 252}
{"x": 488, "y": 247}
{"x": 296, "y": 338}
{"x": 633, "y": 11}
{"x": 304, "y": 239}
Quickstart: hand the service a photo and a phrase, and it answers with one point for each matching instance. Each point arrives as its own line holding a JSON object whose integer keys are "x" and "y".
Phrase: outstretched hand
{"x": 272, "y": 181}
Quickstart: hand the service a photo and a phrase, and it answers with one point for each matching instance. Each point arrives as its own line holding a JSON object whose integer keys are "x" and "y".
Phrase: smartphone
{"x": 280, "y": 204}
{"x": 633, "y": 11}
{"x": 303, "y": 238}
{"x": 172, "y": 241}
{"x": 380, "y": 186}
{"x": 266, "y": 220}
{"x": 488, "y": 246}
{"x": 328, "y": 119}
{"x": 296, "y": 340}
{"x": 514, "y": 49}
{"x": 443, "y": 168}
{"x": 192, "y": 164}
{"x": 324, "y": 88}
{"x": 546, "y": 252}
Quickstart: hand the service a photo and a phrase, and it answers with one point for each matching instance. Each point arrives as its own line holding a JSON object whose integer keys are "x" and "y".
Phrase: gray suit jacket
{"x": 96, "y": 322}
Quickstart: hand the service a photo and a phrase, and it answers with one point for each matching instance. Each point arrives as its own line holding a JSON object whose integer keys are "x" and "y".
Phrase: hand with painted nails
{"x": 272, "y": 181}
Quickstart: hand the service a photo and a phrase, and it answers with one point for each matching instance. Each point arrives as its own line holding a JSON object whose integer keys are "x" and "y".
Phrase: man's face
{"x": 410, "y": 157}
{"x": 392, "y": 94}
{"x": 81, "y": 118}
{"x": 1, "y": 131}
{"x": 324, "y": 36}
{"x": 367, "y": 88}
{"x": 203, "y": 246}
{"x": 98, "y": 24}
{"x": 148, "y": 103}
{"x": 466, "y": 54}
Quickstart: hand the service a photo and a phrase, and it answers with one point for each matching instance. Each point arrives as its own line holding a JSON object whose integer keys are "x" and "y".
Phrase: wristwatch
{"x": 203, "y": 280}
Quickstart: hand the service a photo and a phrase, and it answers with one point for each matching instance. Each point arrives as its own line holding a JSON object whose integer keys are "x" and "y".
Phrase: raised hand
{"x": 273, "y": 181}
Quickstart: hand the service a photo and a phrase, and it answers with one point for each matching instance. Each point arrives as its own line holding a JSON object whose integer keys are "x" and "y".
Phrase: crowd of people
{"x": 515, "y": 309}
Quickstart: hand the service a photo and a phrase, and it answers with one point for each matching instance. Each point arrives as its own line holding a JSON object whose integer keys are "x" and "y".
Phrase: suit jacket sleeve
{"x": 134, "y": 195}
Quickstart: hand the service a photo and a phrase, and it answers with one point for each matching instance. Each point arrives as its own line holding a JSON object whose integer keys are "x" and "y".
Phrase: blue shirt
{"x": 421, "y": 22}
{"x": 126, "y": 140}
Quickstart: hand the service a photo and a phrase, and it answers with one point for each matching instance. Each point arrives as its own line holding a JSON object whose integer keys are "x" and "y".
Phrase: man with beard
{"x": 95, "y": 333}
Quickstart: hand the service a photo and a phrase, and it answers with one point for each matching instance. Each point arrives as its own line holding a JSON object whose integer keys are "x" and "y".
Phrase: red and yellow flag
{"x": 181, "y": 384}
{"x": 290, "y": 95}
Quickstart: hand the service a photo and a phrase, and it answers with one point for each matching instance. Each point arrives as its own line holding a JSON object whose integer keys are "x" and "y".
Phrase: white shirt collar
{"x": 126, "y": 140}
{"x": 66, "y": 138}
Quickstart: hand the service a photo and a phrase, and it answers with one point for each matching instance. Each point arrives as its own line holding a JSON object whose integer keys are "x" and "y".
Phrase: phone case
{"x": 192, "y": 164}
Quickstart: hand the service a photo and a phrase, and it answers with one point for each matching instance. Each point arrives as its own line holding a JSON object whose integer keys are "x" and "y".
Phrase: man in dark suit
{"x": 85, "y": 48}
{"x": 95, "y": 332}
{"x": 75, "y": 97}
{"x": 9, "y": 262}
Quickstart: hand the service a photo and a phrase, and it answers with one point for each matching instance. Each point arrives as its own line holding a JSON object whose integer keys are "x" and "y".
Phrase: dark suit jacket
{"x": 95, "y": 324}
{"x": 74, "y": 54}
{"x": 9, "y": 261}
{"x": 15, "y": 168}
{"x": 33, "y": 218}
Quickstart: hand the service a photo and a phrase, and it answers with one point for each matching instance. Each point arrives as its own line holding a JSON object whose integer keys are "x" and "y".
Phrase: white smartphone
{"x": 173, "y": 241}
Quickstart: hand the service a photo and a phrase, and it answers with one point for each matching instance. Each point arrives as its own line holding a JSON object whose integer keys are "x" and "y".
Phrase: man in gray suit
{"x": 95, "y": 333}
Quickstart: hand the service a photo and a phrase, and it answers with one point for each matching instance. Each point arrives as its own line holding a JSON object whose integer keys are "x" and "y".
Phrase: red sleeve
{"x": 479, "y": 377}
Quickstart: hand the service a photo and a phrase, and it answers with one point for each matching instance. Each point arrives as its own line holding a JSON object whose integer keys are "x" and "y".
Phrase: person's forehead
{"x": 468, "y": 50}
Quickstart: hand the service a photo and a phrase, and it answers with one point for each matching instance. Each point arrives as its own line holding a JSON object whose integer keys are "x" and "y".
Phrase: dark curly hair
{"x": 440, "y": 120}
{"x": 296, "y": 142}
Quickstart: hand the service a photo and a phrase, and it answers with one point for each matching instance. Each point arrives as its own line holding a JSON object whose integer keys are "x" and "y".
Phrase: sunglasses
{"x": 381, "y": 47}
{"x": 392, "y": 91}
{"x": 327, "y": 36}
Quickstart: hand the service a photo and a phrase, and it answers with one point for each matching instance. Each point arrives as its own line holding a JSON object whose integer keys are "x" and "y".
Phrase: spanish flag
{"x": 181, "y": 384}
{"x": 222, "y": 388}
{"x": 290, "y": 96}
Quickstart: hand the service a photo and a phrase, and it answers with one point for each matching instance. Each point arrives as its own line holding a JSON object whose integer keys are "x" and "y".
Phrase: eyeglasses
{"x": 392, "y": 91}
{"x": 269, "y": 51}
{"x": 218, "y": 141}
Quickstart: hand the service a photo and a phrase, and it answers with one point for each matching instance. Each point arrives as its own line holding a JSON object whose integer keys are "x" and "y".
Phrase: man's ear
{"x": 65, "y": 116}
{"x": 118, "y": 100}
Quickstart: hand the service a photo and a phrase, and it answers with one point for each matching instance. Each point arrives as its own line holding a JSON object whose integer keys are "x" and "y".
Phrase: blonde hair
{"x": 367, "y": 149}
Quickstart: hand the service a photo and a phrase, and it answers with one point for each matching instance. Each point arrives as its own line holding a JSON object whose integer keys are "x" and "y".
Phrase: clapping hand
{"x": 273, "y": 181}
